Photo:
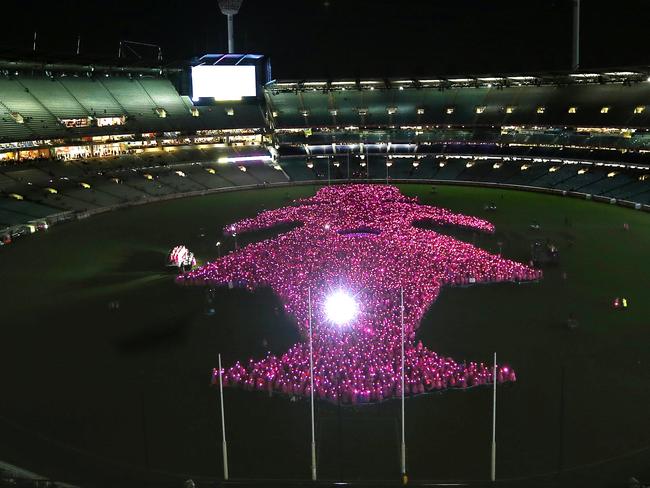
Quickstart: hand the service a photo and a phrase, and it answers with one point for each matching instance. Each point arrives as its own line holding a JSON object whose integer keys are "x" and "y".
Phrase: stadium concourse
{"x": 78, "y": 139}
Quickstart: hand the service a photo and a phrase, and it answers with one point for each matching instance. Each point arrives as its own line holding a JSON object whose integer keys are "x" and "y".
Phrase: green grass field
{"x": 91, "y": 394}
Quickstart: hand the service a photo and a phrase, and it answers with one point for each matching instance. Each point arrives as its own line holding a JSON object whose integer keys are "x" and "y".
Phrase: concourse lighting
{"x": 341, "y": 308}
{"x": 621, "y": 73}
{"x": 241, "y": 159}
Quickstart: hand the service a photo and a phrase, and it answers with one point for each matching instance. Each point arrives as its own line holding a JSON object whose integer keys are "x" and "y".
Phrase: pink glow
{"x": 359, "y": 238}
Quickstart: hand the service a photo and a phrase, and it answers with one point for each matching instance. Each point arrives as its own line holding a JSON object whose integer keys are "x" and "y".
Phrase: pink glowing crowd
{"x": 361, "y": 239}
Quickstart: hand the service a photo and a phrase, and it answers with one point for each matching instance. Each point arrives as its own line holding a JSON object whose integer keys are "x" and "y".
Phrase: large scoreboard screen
{"x": 223, "y": 83}
{"x": 216, "y": 78}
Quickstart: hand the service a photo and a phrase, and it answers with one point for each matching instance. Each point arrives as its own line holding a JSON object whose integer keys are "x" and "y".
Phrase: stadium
{"x": 216, "y": 277}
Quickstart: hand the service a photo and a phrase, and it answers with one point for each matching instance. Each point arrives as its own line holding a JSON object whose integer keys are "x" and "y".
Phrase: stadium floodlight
{"x": 230, "y": 8}
{"x": 575, "y": 48}
{"x": 341, "y": 308}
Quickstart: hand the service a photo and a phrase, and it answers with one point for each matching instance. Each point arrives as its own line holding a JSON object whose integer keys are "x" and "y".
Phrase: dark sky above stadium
{"x": 341, "y": 38}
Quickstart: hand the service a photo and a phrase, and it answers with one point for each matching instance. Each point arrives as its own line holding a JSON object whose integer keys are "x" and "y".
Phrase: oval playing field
{"x": 107, "y": 363}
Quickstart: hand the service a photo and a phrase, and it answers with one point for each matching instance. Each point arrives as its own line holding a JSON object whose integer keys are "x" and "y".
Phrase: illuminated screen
{"x": 223, "y": 82}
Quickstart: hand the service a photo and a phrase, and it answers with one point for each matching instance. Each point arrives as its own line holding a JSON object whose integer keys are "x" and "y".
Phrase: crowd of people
{"x": 361, "y": 239}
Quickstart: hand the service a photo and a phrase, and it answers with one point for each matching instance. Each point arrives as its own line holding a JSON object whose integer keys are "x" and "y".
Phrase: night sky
{"x": 340, "y": 38}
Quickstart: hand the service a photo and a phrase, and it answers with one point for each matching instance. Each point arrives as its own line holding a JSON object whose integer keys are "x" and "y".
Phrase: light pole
{"x": 218, "y": 244}
{"x": 223, "y": 426}
{"x": 329, "y": 178}
{"x": 575, "y": 51}
{"x": 348, "y": 165}
{"x": 230, "y": 8}
{"x": 368, "y": 165}
{"x": 311, "y": 379}
{"x": 494, "y": 422}
{"x": 403, "y": 453}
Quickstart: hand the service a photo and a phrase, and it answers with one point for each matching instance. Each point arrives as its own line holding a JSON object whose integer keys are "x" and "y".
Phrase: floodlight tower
{"x": 230, "y": 8}
{"x": 575, "y": 51}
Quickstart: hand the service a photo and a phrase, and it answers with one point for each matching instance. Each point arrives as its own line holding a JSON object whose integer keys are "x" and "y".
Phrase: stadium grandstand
{"x": 79, "y": 139}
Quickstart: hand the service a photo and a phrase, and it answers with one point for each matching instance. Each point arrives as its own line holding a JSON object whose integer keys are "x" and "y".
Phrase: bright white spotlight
{"x": 341, "y": 308}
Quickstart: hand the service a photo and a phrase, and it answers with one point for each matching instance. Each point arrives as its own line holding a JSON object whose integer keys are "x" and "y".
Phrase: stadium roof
{"x": 227, "y": 59}
{"x": 613, "y": 75}
{"x": 10, "y": 66}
